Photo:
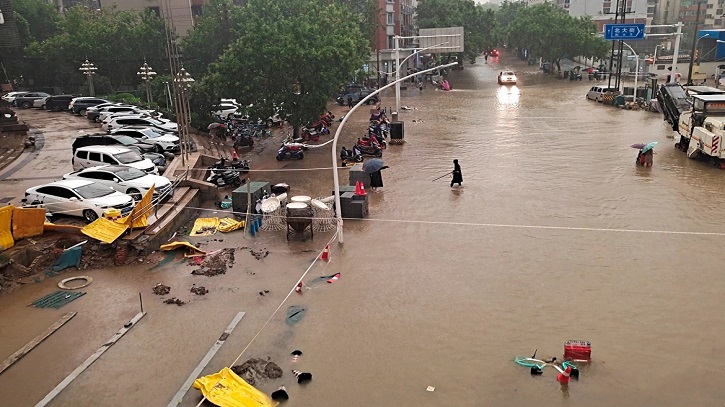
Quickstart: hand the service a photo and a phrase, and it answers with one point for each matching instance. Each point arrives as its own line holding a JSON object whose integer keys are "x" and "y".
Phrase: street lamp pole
{"x": 636, "y": 68}
{"x": 183, "y": 82}
{"x": 335, "y": 175}
{"x": 89, "y": 70}
{"x": 147, "y": 74}
{"x": 696, "y": 39}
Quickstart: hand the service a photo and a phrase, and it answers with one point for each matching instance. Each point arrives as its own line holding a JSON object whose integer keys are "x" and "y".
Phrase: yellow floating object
{"x": 204, "y": 227}
{"x": 105, "y": 230}
{"x": 52, "y": 227}
{"x": 28, "y": 222}
{"x": 227, "y": 225}
{"x": 141, "y": 211}
{"x": 6, "y": 235}
{"x": 226, "y": 389}
{"x": 195, "y": 251}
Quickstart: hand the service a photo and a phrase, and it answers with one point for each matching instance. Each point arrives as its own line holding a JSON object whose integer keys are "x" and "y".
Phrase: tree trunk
{"x": 558, "y": 65}
{"x": 295, "y": 131}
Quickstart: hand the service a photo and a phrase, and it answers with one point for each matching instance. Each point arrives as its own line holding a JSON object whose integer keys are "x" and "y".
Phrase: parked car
{"x": 11, "y": 96}
{"x": 79, "y": 105}
{"x": 507, "y": 78}
{"x": 26, "y": 101}
{"x": 93, "y": 156}
{"x": 39, "y": 103}
{"x": 102, "y": 113}
{"x": 136, "y": 120}
{"x": 123, "y": 178}
{"x": 100, "y": 139}
{"x": 225, "y": 110}
{"x": 78, "y": 198}
{"x": 57, "y": 103}
{"x": 357, "y": 96}
{"x": 93, "y": 113}
{"x": 162, "y": 141}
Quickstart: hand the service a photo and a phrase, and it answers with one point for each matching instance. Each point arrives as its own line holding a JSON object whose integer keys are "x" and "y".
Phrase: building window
{"x": 391, "y": 1}
{"x": 154, "y": 10}
{"x": 391, "y": 18}
{"x": 391, "y": 42}
{"x": 710, "y": 5}
{"x": 718, "y": 21}
{"x": 605, "y": 10}
{"x": 196, "y": 11}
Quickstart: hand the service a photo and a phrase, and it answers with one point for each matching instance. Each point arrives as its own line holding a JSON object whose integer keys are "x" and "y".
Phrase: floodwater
{"x": 555, "y": 235}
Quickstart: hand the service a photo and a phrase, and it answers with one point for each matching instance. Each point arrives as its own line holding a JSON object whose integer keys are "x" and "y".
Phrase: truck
{"x": 702, "y": 129}
{"x": 675, "y": 99}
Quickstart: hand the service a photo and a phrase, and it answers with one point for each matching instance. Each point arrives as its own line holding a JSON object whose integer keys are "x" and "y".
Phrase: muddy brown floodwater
{"x": 554, "y": 235}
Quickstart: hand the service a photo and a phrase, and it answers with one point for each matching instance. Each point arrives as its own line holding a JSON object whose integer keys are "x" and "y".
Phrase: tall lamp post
{"x": 147, "y": 74}
{"x": 335, "y": 175}
{"x": 697, "y": 41}
{"x": 183, "y": 81}
{"x": 89, "y": 70}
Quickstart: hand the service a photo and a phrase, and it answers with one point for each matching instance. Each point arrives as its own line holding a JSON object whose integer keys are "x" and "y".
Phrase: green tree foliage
{"x": 550, "y": 32}
{"x": 478, "y": 23}
{"x": 507, "y": 13}
{"x": 218, "y": 27}
{"x": 115, "y": 41}
{"x": 367, "y": 14}
{"x": 293, "y": 54}
{"x": 36, "y": 20}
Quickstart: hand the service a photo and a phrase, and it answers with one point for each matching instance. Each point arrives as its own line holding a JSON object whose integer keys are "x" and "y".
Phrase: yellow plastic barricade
{"x": 204, "y": 227}
{"x": 227, "y": 225}
{"x": 28, "y": 222}
{"x": 6, "y": 235}
{"x": 107, "y": 231}
{"x": 226, "y": 389}
{"x": 193, "y": 250}
{"x": 141, "y": 211}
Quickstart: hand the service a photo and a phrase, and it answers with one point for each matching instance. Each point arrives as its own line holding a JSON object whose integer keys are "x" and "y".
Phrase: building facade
{"x": 396, "y": 18}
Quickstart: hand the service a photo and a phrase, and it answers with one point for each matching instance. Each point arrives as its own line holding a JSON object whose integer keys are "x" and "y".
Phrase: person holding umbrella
{"x": 373, "y": 167}
{"x": 646, "y": 153}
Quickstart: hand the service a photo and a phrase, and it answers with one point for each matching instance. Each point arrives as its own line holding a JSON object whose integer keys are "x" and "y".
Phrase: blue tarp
{"x": 69, "y": 258}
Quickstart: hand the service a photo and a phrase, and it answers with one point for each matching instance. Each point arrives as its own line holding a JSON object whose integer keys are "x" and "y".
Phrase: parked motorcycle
{"x": 327, "y": 117}
{"x": 222, "y": 177}
{"x": 368, "y": 146}
{"x": 309, "y": 134}
{"x": 240, "y": 166}
{"x": 350, "y": 155}
{"x": 243, "y": 140}
{"x": 290, "y": 151}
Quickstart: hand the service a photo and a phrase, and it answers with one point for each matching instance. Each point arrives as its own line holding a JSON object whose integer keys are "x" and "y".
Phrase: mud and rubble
{"x": 256, "y": 369}
{"x": 160, "y": 289}
{"x": 216, "y": 263}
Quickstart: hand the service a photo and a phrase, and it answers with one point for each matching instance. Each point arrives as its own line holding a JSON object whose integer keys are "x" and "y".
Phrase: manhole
{"x": 7, "y": 199}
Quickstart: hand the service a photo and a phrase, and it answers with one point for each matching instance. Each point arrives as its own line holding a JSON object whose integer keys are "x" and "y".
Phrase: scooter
{"x": 288, "y": 151}
{"x": 350, "y": 155}
{"x": 223, "y": 177}
{"x": 327, "y": 117}
{"x": 368, "y": 147}
{"x": 240, "y": 166}
{"x": 243, "y": 140}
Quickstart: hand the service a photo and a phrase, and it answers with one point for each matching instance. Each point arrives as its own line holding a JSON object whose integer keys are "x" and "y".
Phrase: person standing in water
{"x": 457, "y": 174}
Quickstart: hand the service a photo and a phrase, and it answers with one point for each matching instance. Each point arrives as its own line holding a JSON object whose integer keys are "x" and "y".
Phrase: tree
{"x": 478, "y": 23}
{"x": 507, "y": 13}
{"x": 367, "y": 13}
{"x": 115, "y": 41}
{"x": 551, "y": 33}
{"x": 217, "y": 28}
{"x": 293, "y": 54}
{"x": 37, "y": 20}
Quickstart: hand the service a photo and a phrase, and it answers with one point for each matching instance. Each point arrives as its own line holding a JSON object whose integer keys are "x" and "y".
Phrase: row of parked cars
{"x": 111, "y": 169}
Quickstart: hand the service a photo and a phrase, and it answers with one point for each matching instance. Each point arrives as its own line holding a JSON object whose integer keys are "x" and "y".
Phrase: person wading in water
{"x": 457, "y": 174}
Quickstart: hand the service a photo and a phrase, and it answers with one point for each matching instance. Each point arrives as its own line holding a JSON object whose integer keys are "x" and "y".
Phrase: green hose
{"x": 531, "y": 362}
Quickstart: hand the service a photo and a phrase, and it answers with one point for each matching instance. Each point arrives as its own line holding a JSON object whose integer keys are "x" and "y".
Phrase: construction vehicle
{"x": 702, "y": 128}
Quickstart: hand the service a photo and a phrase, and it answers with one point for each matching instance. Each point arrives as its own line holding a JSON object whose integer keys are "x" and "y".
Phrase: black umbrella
{"x": 373, "y": 165}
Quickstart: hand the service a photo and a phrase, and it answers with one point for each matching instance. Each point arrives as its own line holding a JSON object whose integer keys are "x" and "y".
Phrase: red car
{"x": 494, "y": 53}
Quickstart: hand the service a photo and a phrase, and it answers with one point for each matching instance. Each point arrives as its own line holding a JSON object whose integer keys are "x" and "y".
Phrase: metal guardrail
{"x": 155, "y": 202}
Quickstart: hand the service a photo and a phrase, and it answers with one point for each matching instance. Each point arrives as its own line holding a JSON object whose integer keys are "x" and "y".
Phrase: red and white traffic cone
{"x": 299, "y": 287}
{"x": 564, "y": 377}
{"x": 302, "y": 376}
{"x": 235, "y": 157}
{"x": 362, "y": 189}
{"x": 280, "y": 394}
{"x": 358, "y": 191}
{"x": 334, "y": 278}
{"x": 326, "y": 253}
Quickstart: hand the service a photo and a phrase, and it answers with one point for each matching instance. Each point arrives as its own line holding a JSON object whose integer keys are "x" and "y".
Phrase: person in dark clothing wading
{"x": 457, "y": 174}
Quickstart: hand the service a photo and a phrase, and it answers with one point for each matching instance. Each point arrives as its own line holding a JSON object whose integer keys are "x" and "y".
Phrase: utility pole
{"x": 695, "y": 41}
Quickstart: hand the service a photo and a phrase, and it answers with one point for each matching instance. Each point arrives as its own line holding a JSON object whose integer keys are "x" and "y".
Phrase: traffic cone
{"x": 235, "y": 157}
{"x": 334, "y": 278}
{"x": 302, "y": 376}
{"x": 358, "y": 191}
{"x": 299, "y": 287}
{"x": 563, "y": 377}
{"x": 362, "y": 189}
{"x": 326, "y": 253}
{"x": 280, "y": 394}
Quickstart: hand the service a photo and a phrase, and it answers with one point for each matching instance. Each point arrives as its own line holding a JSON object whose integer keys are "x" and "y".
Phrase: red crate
{"x": 578, "y": 350}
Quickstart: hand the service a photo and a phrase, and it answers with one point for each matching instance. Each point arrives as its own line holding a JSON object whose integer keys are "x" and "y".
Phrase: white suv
{"x": 161, "y": 140}
{"x": 93, "y": 156}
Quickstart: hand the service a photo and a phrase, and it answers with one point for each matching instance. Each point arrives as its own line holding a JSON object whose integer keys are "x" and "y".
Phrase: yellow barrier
{"x": 141, "y": 211}
{"x": 105, "y": 230}
{"x": 226, "y": 389}
{"x": 28, "y": 222}
{"x": 204, "y": 227}
{"x": 6, "y": 236}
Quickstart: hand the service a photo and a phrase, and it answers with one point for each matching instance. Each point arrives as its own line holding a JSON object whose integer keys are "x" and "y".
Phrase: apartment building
{"x": 396, "y": 18}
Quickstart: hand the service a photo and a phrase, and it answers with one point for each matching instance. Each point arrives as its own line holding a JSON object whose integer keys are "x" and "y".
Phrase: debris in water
{"x": 430, "y": 388}
{"x": 174, "y": 300}
{"x": 216, "y": 263}
{"x": 296, "y": 355}
{"x": 257, "y": 369}
{"x": 295, "y": 314}
{"x": 263, "y": 292}
{"x": 160, "y": 289}
{"x": 280, "y": 394}
{"x": 201, "y": 290}
{"x": 302, "y": 377}
{"x": 259, "y": 254}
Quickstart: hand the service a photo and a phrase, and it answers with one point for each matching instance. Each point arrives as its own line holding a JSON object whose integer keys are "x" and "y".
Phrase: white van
{"x": 596, "y": 92}
{"x": 93, "y": 156}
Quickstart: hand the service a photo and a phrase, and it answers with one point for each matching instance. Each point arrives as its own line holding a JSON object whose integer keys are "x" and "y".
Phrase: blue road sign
{"x": 623, "y": 32}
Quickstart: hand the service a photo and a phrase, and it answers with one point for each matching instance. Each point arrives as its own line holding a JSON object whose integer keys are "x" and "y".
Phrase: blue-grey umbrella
{"x": 372, "y": 165}
{"x": 649, "y": 146}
